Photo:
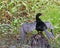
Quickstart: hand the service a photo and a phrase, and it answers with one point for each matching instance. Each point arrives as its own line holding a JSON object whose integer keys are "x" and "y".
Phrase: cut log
{"x": 39, "y": 41}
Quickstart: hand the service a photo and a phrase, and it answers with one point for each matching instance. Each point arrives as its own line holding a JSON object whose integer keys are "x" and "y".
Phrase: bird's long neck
{"x": 38, "y": 19}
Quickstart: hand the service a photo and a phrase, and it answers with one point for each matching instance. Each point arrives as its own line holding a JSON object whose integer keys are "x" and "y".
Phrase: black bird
{"x": 40, "y": 25}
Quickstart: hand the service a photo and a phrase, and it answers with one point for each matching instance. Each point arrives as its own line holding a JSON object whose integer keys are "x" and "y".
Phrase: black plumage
{"x": 40, "y": 25}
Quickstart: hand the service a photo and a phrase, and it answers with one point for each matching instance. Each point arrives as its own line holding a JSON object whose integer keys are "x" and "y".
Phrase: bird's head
{"x": 38, "y": 14}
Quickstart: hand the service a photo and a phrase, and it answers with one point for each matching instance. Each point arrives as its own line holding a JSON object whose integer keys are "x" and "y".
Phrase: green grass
{"x": 17, "y": 12}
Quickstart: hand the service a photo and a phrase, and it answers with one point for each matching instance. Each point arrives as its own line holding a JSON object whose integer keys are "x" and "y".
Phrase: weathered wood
{"x": 39, "y": 41}
{"x": 29, "y": 27}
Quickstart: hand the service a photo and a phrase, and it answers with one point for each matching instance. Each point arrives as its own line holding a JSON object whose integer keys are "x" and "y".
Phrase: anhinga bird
{"x": 40, "y": 25}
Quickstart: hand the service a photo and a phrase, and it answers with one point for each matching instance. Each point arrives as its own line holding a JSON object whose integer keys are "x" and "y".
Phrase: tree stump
{"x": 39, "y": 41}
